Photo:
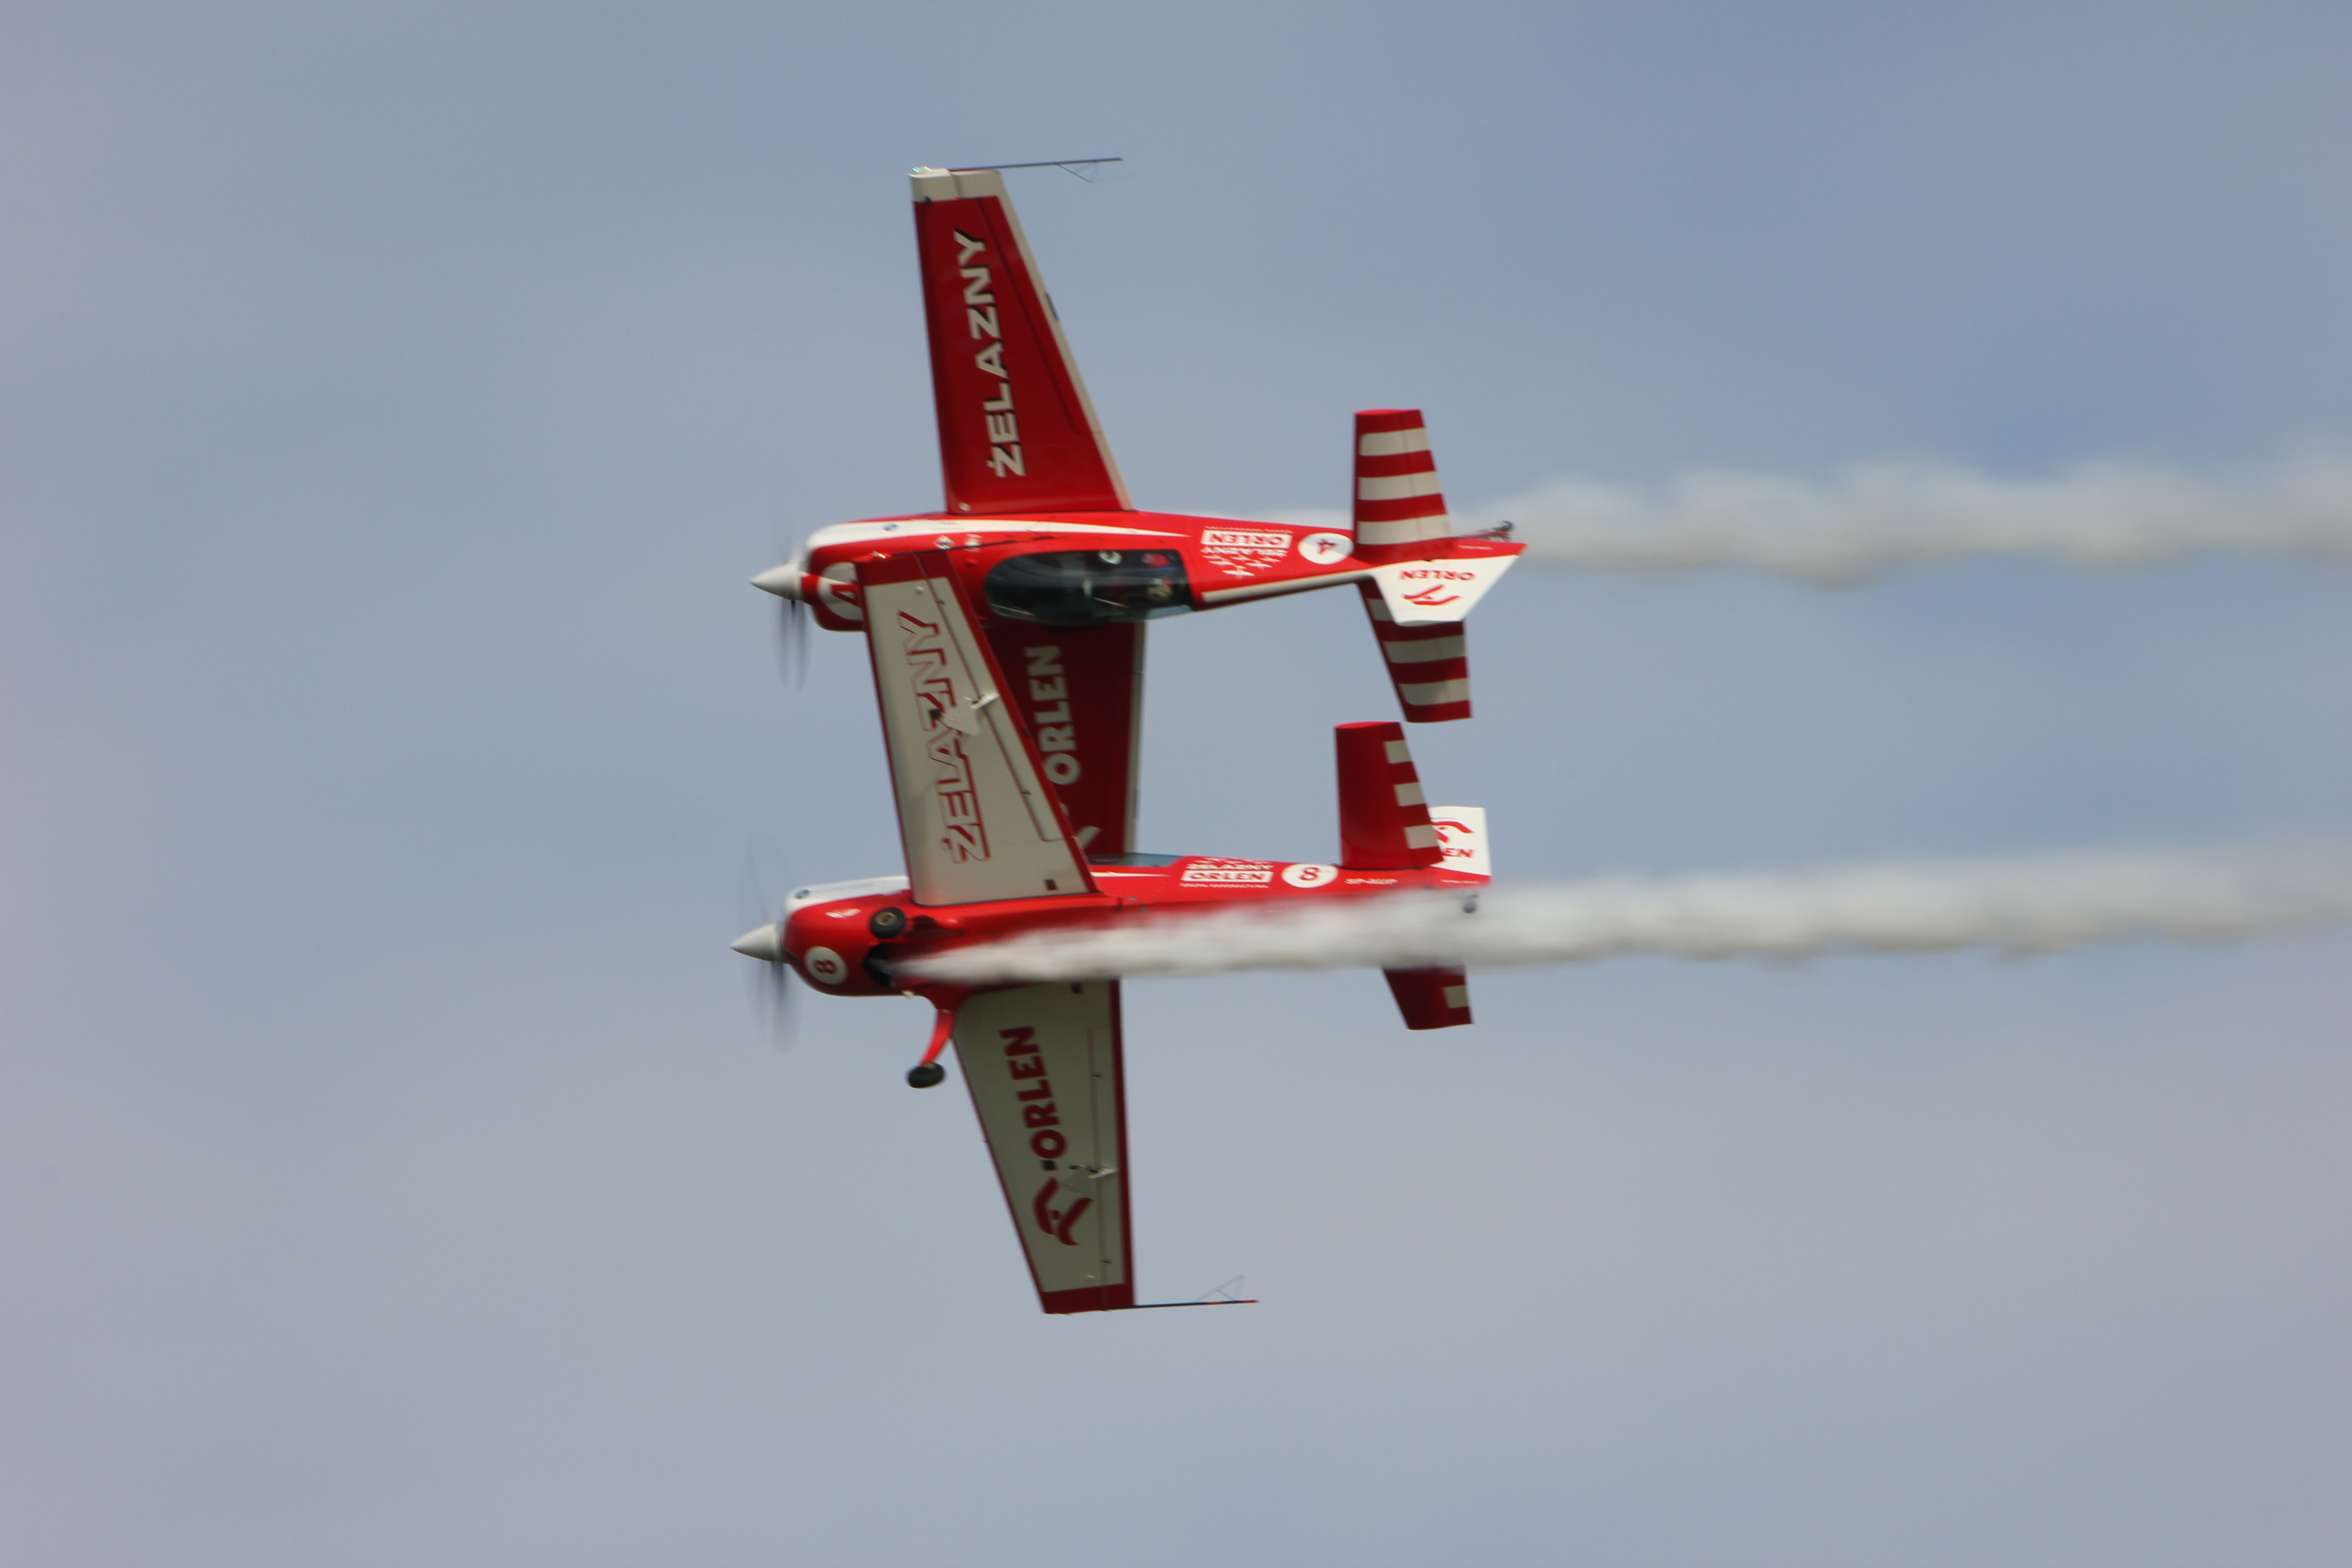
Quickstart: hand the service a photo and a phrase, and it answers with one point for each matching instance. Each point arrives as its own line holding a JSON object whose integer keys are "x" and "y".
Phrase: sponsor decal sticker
{"x": 1437, "y": 590}
{"x": 1049, "y": 694}
{"x": 962, "y": 834}
{"x": 1244, "y": 551}
{"x": 1455, "y": 839}
{"x": 1258, "y": 872}
{"x": 1056, "y": 1216}
{"x": 980, "y": 314}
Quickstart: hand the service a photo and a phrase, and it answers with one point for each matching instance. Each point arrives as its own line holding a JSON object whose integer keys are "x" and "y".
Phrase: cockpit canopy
{"x": 1088, "y": 588}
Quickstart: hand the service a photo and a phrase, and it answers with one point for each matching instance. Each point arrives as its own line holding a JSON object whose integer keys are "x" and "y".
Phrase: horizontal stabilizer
{"x": 1431, "y": 998}
{"x": 1383, "y": 819}
{"x": 1440, "y": 591}
{"x": 1462, "y": 837}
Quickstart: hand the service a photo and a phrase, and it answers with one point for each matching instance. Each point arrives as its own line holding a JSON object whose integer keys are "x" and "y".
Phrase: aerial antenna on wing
{"x": 1081, "y": 167}
{"x": 1223, "y": 1294}
{"x": 1216, "y": 1296}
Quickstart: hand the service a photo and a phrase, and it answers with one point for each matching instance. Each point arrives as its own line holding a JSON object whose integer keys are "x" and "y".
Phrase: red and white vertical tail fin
{"x": 1425, "y": 579}
{"x": 1429, "y": 665}
{"x": 1386, "y": 824}
{"x": 1431, "y": 998}
{"x": 1400, "y": 511}
{"x": 1383, "y": 817}
{"x": 1017, "y": 432}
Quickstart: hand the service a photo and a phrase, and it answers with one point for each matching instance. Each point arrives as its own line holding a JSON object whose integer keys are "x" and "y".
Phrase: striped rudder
{"x": 1384, "y": 820}
{"x": 1429, "y": 666}
{"x": 1399, "y": 512}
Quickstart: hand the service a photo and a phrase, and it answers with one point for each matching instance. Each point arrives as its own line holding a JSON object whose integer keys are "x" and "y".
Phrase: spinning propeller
{"x": 791, "y": 619}
{"x": 771, "y": 992}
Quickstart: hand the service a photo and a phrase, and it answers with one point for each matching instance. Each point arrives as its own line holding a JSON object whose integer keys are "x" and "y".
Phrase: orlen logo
{"x": 1449, "y": 837}
{"x": 1058, "y": 1223}
{"x": 1228, "y": 871}
{"x": 1049, "y": 695}
{"x": 1243, "y": 551}
{"x": 1025, "y": 1061}
{"x": 1437, "y": 592}
{"x": 1245, "y": 539}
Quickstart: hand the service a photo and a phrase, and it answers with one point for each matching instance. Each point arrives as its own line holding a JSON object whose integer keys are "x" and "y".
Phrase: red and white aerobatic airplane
{"x": 1006, "y": 634}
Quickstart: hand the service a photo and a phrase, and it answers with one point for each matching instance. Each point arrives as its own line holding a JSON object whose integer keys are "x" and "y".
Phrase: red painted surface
{"x": 1220, "y": 555}
{"x": 1093, "y": 1298}
{"x": 1379, "y": 831}
{"x": 1079, "y": 693}
{"x": 1127, "y": 893}
{"x": 1397, "y": 528}
{"x": 1013, "y": 431}
{"x": 1026, "y": 470}
{"x": 1420, "y": 997}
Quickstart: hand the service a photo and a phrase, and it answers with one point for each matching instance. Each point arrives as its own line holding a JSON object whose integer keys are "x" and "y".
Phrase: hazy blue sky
{"x": 398, "y": 397}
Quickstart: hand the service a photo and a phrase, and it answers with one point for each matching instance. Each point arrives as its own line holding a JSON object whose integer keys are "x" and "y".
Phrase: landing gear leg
{"x": 928, "y": 1073}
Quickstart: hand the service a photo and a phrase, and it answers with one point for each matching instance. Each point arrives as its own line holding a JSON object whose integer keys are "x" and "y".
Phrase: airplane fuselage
{"x": 860, "y": 943}
{"x": 1215, "y": 561}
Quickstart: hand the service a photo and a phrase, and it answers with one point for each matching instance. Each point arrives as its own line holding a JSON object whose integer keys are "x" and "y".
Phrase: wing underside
{"x": 978, "y": 820}
{"x": 1079, "y": 690}
{"x": 1043, "y": 1063}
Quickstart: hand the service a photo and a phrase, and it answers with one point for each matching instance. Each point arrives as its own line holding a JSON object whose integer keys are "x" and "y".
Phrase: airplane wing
{"x": 1080, "y": 689}
{"x": 1043, "y": 1064}
{"x": 973, "y": 809}
{"x": 1017, "y": 432}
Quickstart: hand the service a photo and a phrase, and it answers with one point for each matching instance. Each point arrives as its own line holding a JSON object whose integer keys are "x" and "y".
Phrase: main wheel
{"x": 886, "y": 923}
{"x": 926, "y": 1075}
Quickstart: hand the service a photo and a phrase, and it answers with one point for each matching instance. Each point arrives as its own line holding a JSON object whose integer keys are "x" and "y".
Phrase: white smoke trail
{"x": 2022, "y": 904}
{"x": 1869, "y": 518}
{"x": 1872, "y": 517}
